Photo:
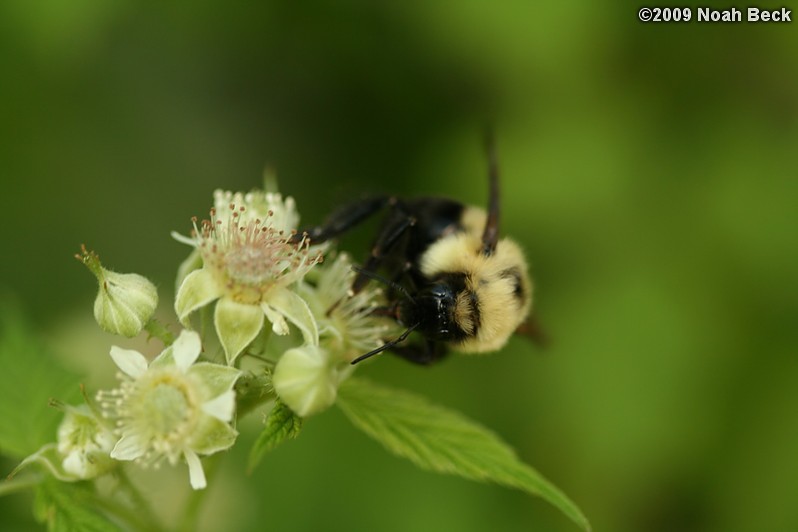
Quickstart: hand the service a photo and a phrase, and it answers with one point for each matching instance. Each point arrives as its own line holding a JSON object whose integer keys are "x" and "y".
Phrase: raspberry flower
{"x": 85, "y": 443}
{"x": 83, "y": 447}
{"x": 171, "y": 407}
{"x": 248, "y": 262}
{"x": 307, "y": 378}
{"x": 347, "y": 323}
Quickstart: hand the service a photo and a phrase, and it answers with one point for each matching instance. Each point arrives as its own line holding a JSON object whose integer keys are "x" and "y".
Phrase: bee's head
{"x": 434, "y": 309}
{"x": 488, "y": 296}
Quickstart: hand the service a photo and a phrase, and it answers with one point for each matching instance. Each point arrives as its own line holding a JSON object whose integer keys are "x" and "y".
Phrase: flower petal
{"x": 191, "y": 263}
{"x": 293, "y": 307}
{"x": 197, "y": 290}
{"x": 237, "y": 325}
{"x": 195, "y": 472}
{"x": 216, "y": 378}
{"x": 222, "y": 407}
{"x": 279, "y": 325}
{"x": 129, "y": 361}
{"x": 129, "y": 447}
{"x": 186, "y": 349}
{"x": 211, "y": 436}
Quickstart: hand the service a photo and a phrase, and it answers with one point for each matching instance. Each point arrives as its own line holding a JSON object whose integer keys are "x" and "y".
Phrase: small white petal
{"x": 279, "y": 325}
{"x": 222, "y": 407}
{"x": 129, "y": 448}
{"x": 186, "y": 349}
{"x": 195, "y": 472}
{"x": 75, "y": 464}
{"x": 129, "y": 361}
{"x": 184, "y": 239}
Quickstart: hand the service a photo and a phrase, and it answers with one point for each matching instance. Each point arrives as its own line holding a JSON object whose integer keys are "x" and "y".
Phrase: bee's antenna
{"x": 490, "y": 236}
{"x": 383, "y": 280}
{"x": 388, "y": 345}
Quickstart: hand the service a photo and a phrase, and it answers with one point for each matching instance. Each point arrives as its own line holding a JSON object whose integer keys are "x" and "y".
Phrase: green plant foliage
{"x": 438, "y": 439}
{"x": 66, "y": 507}
{"x": 31, "y": 378}
{"x": 281, "y": 424}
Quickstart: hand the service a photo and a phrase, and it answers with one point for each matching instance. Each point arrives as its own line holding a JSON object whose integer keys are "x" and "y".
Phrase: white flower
{"x": 307, "y": 378}
{"x": 171, "y": 407}
{"x": 125, "y": 302}
{"x": 347, "y": 323}
{"x": 85, "y": 443}
{"x": 248, "y": 262}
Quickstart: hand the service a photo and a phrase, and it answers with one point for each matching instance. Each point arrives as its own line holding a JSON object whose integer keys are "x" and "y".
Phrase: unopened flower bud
{"x": 307, "y": 380}
{"x": 125, "y": 302}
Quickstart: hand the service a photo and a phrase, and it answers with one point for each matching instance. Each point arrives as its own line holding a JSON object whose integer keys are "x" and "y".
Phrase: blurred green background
{"x": 648, "y": 170}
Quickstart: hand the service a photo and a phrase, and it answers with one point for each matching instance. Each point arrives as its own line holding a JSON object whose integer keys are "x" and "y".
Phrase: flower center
{"x": 250, "y": 256}
{"x": 259, "y": 260}
{"x": 167, "y": 406}
{"x": 163, "y": 408}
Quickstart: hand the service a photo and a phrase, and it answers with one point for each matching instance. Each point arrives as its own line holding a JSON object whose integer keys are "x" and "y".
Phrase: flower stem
{"x": 18, "y": 484}
{"x": 253, "y": 390}
{"x": 192, "y": 509}
{"x": 141, "y": 505}
{"x": 157, "y": 330}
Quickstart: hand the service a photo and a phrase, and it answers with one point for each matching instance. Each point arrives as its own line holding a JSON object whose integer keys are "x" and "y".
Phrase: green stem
{"x": 142, "y": 506}
{"x": 18, "y": 484}
{"x": 157, "y": 330}
{"x": 135, "y": 520}
{"x": 252, "y": 391}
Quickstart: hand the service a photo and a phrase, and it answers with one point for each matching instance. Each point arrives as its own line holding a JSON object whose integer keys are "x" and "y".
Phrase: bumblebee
{"x": 451, "y": 279}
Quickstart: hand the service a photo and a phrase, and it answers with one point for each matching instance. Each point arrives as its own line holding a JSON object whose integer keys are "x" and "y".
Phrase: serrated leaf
{"x": 441, "y": 440}
{"x": 281, "y": 424}
{"x": 30, "y": 377}
{"x": 66, "y": 507}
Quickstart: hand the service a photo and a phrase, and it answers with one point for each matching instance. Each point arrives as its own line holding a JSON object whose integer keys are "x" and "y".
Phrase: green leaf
{"x": 441, "y": 440}
{"x": 281, "y": 424}
{"x": 29, "y": 378}
{"x": 69, "y": 507}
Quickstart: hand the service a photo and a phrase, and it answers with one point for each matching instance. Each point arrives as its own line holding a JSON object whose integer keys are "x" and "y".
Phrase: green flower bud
{"x": 306, "y": 379}
{"x": 125, "y": 302}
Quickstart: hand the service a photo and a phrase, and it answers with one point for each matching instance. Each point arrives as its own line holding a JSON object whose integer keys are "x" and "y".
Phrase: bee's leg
{"x": 343, "y": 219}
{"x": 424, "y": 354}
{"x": 395, "y": 228}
